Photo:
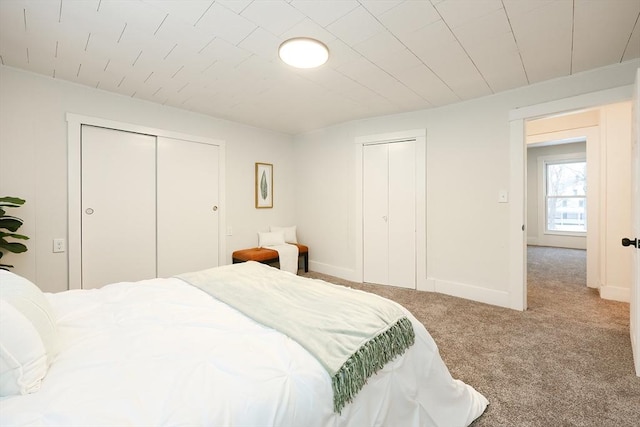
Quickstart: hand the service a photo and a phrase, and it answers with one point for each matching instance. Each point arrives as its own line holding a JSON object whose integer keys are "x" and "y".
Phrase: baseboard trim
{"x": 332, "y": 270}
{"x": 533, "y": 241}
{"x": 615, "y": 293}
{"x": 474, "y": 293}
{"x": 635, "y": 350}
{"x": 559, "y": 242}
{"x": 430, "y": 284}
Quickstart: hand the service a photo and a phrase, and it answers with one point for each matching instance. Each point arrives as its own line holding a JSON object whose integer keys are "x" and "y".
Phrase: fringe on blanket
{"x": 370, "y": 358}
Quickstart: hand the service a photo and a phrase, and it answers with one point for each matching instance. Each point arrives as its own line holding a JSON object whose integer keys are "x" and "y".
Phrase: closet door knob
{"x": 215, "y": 208}
{"x": 88, "y": 211}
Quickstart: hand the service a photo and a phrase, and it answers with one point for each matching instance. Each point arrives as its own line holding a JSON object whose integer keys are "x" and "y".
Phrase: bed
{"x": 167, "y": 352}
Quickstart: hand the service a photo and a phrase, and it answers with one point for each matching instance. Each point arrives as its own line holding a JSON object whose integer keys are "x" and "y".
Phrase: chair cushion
{"x": 263, "y": 254}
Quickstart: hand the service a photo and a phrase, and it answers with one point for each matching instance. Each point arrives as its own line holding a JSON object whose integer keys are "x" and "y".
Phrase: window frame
{"x": 544, "y": 198}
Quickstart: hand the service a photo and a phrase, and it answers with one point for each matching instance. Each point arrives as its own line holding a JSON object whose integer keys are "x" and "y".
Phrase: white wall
{"x": 535, "y": 194}
{"x": 468, "y": 163}
{"x": 33, "y": 159}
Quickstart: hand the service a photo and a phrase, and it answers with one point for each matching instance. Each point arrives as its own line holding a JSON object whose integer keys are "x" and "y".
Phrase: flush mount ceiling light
{"x": 303, "y": 52}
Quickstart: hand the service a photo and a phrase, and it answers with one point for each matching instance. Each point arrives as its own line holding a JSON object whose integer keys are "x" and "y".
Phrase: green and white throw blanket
{"x": 351, "y": 333}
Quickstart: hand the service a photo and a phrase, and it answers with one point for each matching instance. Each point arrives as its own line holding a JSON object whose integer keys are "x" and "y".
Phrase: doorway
{"x": 562, "y": 197}
{"x": 518, "y": 215}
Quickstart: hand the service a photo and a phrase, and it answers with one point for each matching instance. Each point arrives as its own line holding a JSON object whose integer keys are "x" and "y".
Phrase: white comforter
{"x": 163, "y": 353}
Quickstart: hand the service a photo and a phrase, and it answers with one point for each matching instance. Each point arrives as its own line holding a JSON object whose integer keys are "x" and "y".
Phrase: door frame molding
{"x": 517, "y": 177}
{"x": 74, "y": 184}
{"x": 420, "y": 138}
{"x": 634, "y": 300}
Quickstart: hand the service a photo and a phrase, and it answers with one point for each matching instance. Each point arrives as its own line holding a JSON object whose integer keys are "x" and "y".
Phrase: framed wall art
{"x": 264, "y": 185}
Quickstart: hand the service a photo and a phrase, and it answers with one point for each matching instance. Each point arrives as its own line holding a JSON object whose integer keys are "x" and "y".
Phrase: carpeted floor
{"x": 566, "y": 361}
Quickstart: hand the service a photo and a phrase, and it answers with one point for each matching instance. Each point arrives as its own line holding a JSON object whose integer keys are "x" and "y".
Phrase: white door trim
{"x": 634, "y": 306}
{"x": 420, "y": 137}
{"x": 74, "y": 242}
{"x": 517, "y": 177}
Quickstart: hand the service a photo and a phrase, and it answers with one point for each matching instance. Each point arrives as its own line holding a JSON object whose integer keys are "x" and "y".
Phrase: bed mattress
{"x": 162, "y": 352}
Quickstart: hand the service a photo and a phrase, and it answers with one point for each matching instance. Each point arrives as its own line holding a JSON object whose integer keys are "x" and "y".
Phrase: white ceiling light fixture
{"x": 303, "y": 52}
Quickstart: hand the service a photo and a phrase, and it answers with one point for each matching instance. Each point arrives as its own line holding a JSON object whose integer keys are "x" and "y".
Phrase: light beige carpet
{"x": 566, "y": 361}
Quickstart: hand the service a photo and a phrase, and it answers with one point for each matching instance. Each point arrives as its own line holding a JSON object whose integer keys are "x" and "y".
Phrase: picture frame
{"x": 264, "y": 185}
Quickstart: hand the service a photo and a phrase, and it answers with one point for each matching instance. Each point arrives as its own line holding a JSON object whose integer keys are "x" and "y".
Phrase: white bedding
{"x": 163, "y": 353}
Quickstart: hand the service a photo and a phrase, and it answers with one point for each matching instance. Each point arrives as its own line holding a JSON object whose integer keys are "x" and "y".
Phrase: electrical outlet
{"x": 58, "y": 245}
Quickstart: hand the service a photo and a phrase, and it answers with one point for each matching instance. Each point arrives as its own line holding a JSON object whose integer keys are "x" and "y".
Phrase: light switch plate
{"x": 503, "y": 196}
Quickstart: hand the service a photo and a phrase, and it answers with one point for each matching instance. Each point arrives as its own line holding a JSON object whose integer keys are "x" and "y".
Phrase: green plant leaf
{"x": 11, "y": 201}
{"x": 10, "y": 223}
{"x": 8, "y": 227}
{"x": 15, "y": 236}
{"x": 14, "y": 247}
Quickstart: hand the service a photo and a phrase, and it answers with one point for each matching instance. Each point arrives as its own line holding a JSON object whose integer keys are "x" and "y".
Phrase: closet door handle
{"x": 215, "y": 208}
{"x": 629, "y": 242}
{"x": 88, "y": 211}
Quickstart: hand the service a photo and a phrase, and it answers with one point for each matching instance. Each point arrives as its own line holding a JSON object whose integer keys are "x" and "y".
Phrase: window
{"x": 566, "y": 195}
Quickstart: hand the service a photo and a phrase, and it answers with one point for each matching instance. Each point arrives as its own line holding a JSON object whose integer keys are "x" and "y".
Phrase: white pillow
{"x": 20, "y": 345}
{"x": 23, "y": 358}
{"x": 270, "y": 239}
{"x": 289, "y": 233}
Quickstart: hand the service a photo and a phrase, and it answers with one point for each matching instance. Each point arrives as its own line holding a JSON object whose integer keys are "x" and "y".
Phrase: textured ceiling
{"x": 220, "y": 57}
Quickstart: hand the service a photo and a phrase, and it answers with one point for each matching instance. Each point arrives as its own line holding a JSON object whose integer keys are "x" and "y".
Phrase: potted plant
{"x": 8, "y": 227}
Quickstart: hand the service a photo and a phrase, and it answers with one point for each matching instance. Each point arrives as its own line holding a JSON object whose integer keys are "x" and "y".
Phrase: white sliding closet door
{"x": 118, "y": 206}
{"x": 187, "y": 206}
{"x": 389, "y": 214}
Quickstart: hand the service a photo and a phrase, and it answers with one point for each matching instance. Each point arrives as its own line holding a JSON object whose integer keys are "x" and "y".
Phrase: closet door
{"x": 402, "y": 214}
{"x": 389, "y": 214}
{"x": 118, "y": 206}
{"x": 187, "y": 206}
{"x": 375, "y": 183}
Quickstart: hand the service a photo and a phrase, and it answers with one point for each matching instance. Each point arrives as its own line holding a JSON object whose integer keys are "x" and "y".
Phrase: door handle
{"x": 629, "y": 242}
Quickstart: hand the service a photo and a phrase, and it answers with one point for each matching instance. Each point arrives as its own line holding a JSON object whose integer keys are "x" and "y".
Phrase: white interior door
{"x": 118, "y": 206}
{"x": 635, "y": 215}
{"x": 375, "y": 186}
{"x": 187, "y": 206}
{"x": 402, "y": 214}
{"x": 389, "y": 214}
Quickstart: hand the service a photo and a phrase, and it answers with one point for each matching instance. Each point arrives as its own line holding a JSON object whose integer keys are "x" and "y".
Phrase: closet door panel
{"x": 402, "y": 215}
{"x": 187, "y": 206}
{"x": 118, "y": 206}
{"x": 375, "y": 214}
